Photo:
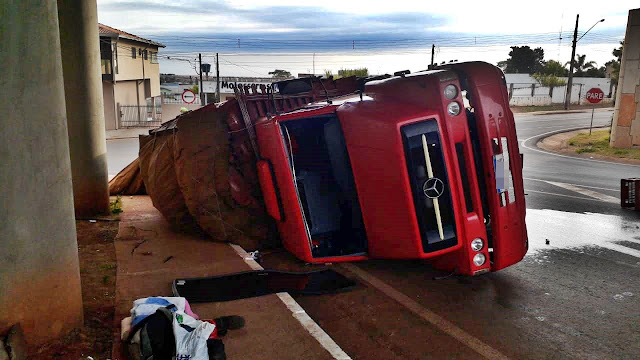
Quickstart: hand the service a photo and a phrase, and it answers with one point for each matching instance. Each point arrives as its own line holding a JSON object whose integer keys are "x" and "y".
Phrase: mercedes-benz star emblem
{"x": 433, "y": 188}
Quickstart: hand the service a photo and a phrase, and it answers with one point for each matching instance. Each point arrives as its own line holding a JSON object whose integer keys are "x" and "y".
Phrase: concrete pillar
{"x": 625, "y": 130}
{"x": 80, "y": 44}
{"x": 39, "y": 272}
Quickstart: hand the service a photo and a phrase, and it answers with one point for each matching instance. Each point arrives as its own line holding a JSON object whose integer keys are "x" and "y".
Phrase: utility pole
{"x": 217, "y": 79}
{"x": 433, "y": 52}
{"x": 567, "y": 99}
{"x": 200, "y": 89}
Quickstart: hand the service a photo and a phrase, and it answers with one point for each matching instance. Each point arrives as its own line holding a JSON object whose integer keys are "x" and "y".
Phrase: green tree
{"x": 195, "y": 89}
{"x": 596, "y": 72}
{"x": 548, "y": 80}
{"x": 581, "y": 65}
{"x": 617, "y": 52}
{"x": 523, "y": 60}
{"x": 360, "y": 72}
{"x": 554, "y": 68}
{"x": 280, "y": 74}
{"x": 614, "y": 65}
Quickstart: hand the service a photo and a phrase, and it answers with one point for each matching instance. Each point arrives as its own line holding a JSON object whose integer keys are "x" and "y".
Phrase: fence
{"x": 140, "y": 116}
{"x": 177, "y": 99}
{"x": 531, "y": 94}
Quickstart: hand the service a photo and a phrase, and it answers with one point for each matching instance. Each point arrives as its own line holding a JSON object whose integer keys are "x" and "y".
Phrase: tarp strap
{"x": 247, "y": 121}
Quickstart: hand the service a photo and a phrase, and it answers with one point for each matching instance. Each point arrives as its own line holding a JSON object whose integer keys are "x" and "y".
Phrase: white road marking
{"x": 524, "y": 144}
{"x": 584, "y": 186}
{"x": 559, "y": 126}
{"x": 561, "y": 195}
{"x": 586, "y": 192}
{"x": 564, "y": 118}
{"x": 620, "y": 248}
{"x": 438, "y": 321}
{"x": 298, "y": 312}
{"x": 631, "y": 241}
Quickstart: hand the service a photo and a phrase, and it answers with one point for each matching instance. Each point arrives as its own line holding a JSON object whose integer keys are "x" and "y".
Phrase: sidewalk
{"x": 560, "y": 108}
{"x": 150, "y": 256}
{"x": 127, "y": 133}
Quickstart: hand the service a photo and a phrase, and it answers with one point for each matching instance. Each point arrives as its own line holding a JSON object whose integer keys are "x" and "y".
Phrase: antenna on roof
{"x": 326, "y": 93}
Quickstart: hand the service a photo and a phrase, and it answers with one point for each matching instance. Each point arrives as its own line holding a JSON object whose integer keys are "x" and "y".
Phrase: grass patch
{"x": 116, "y": 205}
{"x": 526, "y": 109}
{"x": 598, "y": 143}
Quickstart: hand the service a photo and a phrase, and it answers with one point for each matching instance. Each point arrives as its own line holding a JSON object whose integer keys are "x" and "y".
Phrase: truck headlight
{"x": 453, "y": 108}
{"x": 450, "y": 91}
{"x": 479, "y": 259}
{"x": 477, "y": 244}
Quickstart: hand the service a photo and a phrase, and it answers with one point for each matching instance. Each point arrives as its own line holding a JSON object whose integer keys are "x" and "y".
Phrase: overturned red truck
{"x": 410, "y": 166}
{"x": 401, "y": 170}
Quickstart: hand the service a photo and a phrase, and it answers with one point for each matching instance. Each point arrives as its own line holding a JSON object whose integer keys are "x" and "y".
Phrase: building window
{"x": 133, "y": 53}
{"x": 106, "y": 56}
{"x": 115, "y": 57}
{"x": 154, "y": 57}
{"x": 144, "y": 54}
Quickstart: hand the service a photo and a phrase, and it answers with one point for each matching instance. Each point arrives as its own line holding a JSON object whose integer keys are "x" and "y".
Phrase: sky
{"x": 254, "y": 37}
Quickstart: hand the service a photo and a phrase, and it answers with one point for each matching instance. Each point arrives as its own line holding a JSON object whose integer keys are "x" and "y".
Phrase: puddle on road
{"x": 573, "y": 230}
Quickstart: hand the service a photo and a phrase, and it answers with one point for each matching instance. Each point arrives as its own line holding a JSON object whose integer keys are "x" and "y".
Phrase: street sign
{"x": 188, "y": 96}
{"x": 595, "y": 95}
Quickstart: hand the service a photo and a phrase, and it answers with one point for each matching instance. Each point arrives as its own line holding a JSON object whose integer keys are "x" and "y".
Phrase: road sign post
{"x": 188, "y": 96}
{"x": 594, "y": 96}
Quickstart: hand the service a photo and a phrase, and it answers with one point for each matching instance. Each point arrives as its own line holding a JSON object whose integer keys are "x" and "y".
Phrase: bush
{"x": 116, "y": 206}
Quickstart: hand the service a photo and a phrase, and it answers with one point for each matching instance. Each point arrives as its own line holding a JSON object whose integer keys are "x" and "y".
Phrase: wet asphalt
{"x": 577, "y": 297}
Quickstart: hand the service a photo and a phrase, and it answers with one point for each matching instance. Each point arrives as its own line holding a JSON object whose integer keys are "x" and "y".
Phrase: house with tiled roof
{"x": 130, "y": 79}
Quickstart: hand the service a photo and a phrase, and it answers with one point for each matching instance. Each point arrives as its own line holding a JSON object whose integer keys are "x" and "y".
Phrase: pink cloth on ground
{"x": 187, "y": 309}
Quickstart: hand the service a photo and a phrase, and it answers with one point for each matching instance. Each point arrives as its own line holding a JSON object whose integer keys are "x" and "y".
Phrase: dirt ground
{"x": 98, "y": 275}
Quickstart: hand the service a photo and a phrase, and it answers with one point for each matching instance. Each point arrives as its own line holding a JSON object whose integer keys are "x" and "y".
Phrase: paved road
{"x": 120, "y": 153}
{"x": 576, "y": 298}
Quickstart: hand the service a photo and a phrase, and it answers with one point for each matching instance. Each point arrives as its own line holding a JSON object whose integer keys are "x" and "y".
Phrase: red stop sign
{"x": 595, "y": 95}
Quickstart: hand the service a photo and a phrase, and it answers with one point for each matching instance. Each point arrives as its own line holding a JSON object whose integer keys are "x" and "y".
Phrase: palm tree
{"x": 580, "y": 65}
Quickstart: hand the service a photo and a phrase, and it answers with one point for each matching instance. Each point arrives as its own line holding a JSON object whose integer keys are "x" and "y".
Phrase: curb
{"x": 541, "y": 137}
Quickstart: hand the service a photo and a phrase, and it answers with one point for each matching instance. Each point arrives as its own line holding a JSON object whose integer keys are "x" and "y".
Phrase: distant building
{"x": 229, "y": 83}
{"x": 130, "y": 78}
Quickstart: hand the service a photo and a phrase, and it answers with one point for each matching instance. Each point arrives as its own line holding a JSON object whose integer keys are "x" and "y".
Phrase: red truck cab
{"x": 417, "y": 166}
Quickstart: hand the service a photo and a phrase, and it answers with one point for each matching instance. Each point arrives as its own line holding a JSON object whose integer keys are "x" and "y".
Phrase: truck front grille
{"x": 429, "y": 185}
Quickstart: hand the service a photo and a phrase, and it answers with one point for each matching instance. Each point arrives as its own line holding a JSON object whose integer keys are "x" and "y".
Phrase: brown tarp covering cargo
{"x": 128, "y": 181}
{"x": 199, "y": 168}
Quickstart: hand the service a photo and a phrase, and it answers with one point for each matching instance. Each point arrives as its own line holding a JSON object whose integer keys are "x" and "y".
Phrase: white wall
{"x": 521, "y": 95}
{"x": 170, "y": 111}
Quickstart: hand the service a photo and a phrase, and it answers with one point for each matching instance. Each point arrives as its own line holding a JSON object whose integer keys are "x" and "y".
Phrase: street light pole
{"x": 567, "y": 99}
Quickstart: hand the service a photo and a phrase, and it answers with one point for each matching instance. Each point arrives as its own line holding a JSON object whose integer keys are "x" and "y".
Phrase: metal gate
{"x": 140, "y": 116}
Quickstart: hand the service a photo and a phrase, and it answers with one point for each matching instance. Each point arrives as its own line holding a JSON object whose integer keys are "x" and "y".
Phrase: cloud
{"x": 227, "y": 20}
{"x": 198, "y": 25}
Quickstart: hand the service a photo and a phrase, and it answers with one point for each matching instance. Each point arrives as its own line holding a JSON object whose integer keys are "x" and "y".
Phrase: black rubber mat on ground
{"x": 257, "y": 283}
